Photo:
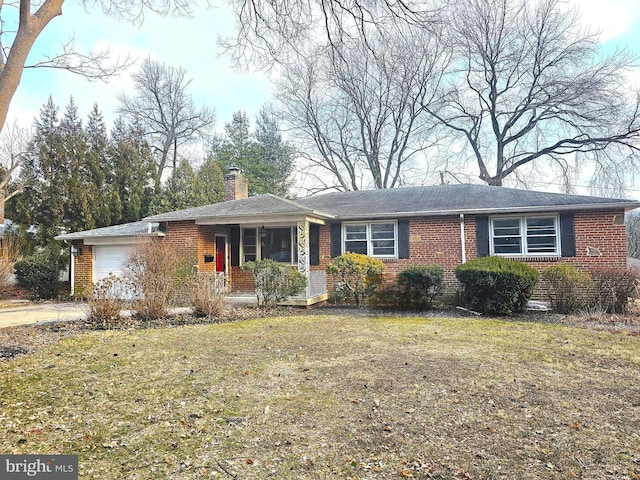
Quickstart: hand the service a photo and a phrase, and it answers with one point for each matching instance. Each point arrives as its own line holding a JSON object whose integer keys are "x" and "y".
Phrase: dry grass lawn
{"x": 332, "y": 396}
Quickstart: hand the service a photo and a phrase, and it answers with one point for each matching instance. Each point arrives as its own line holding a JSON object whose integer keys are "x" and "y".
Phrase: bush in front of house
{"x": 567, "y": 288}
{"x": 207, "y": 295}
{"x": 107, "y": 299}
{"x": 274, "y": 281}
{"x": 417, "y": 287}
{"x": 155, "y": 273}
{"x": 612, "y": 287}
{"x": 39, "y": 274}
{"x": 355, "y": 277}
{"x": 496, "y": 285}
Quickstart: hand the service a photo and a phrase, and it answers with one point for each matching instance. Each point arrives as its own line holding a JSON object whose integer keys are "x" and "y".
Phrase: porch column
{"x": 304, "y": 265}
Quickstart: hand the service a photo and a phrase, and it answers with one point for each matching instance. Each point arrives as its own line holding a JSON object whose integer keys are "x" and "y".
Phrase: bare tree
{"x": 13, "y": 144}
{"x": 358, "y": 109}
{"x": 276, "y": 30}
{"x": 22, "y": 22}
{"x": 165, "y": 111}
{"x": 529, "y": 84}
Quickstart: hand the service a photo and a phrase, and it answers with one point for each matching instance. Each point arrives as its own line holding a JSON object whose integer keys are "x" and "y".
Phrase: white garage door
{"x": 109, "y": 258}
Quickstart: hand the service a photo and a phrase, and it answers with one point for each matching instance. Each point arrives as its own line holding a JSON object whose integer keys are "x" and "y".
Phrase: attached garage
{"x": 109, "y": 259}
{"x": 96, "y": 253}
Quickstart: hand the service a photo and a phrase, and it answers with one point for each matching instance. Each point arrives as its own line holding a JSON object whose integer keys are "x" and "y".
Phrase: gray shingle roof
{"x": 134, "y": 229}
{"x": 369, "y": 204}
{"x": 453, "y": 199}
{"x": 261, "y": 205}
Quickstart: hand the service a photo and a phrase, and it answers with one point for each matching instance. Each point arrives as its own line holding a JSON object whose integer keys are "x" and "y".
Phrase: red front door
{"x": 221, "y": 254}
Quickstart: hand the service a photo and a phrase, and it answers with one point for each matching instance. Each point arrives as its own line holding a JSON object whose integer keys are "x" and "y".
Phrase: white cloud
{"x": 613, "y": 18}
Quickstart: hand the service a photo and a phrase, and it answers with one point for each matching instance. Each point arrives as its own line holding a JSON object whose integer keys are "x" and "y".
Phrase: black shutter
{"x": 336, "y": 240}
{"x": 234, "y": 238}
{"x": 567, "y": 235}
{"x": 482, "y": 236}
{"x": 314, "y": 244}
{"x": 403, "y": 239}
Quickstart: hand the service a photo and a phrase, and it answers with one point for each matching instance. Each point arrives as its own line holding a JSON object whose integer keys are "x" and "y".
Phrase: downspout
{"x": 72, "y": 272}
{"x": 462, "y": 242}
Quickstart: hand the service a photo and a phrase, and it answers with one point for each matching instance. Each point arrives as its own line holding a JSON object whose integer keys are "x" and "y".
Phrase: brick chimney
{"x": 235, "y": 185}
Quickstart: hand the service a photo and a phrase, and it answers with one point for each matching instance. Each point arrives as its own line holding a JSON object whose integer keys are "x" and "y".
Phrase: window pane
{"x": 275, "y": 243}
{"x": 356, "y": 247}
{"x": 541, "y": 235}
{"x": 506, "y": 236}
{"x": 507, "y": 245}
{"x": 382, "y": 231}
{"x": 510, "y": 226}
{"x": 356, "y": 232}
{"x": 249, "y": 244}
{"x": 383, "y": 239}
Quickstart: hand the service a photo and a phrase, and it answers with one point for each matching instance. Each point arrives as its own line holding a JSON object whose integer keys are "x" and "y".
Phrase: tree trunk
{"x": 29, "y": 28}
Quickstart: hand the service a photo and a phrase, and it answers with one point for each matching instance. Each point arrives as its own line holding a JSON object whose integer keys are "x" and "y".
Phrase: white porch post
{"x": 304, "y": 265}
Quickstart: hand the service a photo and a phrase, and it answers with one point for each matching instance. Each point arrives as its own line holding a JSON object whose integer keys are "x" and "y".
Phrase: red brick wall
{"x": 432, "y": 241}
{"x": 436, "y": 241}
{"x": 83, "y": 269}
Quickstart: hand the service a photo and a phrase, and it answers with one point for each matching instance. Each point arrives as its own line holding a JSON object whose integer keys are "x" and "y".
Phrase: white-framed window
{"x": 525, "y": 236}
{"x": 276, "y": 243}
{"x": 375, "y": 239}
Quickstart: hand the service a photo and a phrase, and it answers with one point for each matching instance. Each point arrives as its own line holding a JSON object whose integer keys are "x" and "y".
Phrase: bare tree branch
{"x": 528, "y": 83}
{"x": 165, "y": 111}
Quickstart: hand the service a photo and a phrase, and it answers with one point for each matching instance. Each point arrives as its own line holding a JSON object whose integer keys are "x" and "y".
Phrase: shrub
{"x": 155, "y": 271}
{"x": 417, "y": 287}
{"x": 567, "y": 287}
{"x": 612, "y": 288}
{"x": 275, "y": 282}
{"x": 39, "y": 274}
{"x": 107, "y": 299}
{"x": 206, "y": 295}
{"x": 356, "y": 276}
{"x": 496, "y": 285}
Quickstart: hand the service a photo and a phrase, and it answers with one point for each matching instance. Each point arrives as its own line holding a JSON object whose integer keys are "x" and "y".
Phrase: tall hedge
{"x": 497, "y": 285}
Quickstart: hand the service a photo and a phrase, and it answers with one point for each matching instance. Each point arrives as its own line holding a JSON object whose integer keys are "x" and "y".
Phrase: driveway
{"x": 41, "y": 312}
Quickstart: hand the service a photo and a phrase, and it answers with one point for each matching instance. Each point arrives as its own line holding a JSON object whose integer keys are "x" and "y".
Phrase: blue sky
{"x": 191, "y": 43}
{"x": 186, "y": 42}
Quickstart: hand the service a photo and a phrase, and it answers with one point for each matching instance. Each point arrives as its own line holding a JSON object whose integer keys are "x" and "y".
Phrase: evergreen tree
{"x": 277, "y": 155}
{"x": 265, "y": 160}
{"x": 211, "y": 181}
{"x": 107, "y": 205}
{"x": 182, "y": 190}
{"x": 78, "y": 192}
{"x": 42, "y": 201}
{"x": 132, "y": 167}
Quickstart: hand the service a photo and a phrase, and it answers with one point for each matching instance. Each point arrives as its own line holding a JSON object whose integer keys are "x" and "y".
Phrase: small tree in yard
{"x": 275, "y": 282}
{"x": 153, "y": 269}
{"x": 355, "y": 276}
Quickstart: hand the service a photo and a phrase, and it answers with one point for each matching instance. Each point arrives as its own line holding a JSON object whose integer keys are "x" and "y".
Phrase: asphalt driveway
{"x": 41, "y": 312}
